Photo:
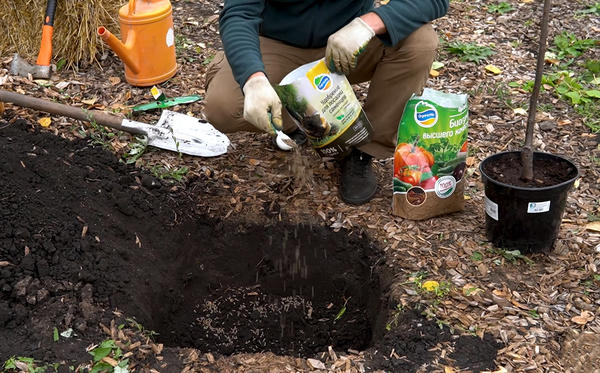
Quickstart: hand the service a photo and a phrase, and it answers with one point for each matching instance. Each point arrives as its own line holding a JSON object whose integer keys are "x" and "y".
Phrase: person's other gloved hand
{"x": 261, "y": 104}
{"x": 344, "y": 46}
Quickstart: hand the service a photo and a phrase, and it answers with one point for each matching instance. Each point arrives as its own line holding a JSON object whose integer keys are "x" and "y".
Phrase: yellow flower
{"x": 431, "y": 285}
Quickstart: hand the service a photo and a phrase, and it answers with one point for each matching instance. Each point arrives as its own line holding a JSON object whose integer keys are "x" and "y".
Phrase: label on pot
{"x": 324, "y": 106}
{"x": 431, "y": 154}
{"x": 537, "y": 207}
{"x": 491, "y": 208}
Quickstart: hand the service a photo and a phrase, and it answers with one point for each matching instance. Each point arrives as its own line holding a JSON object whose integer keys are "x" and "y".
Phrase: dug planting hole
{"x": 287, "y": 289}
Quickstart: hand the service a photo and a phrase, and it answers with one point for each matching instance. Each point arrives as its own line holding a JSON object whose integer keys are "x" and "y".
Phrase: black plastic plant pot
{"x": 525, "y": 218}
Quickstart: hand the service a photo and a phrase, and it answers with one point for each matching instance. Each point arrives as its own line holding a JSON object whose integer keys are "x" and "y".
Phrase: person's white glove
{"x": 344, "y": 46}
{"x": 262, "y": 106}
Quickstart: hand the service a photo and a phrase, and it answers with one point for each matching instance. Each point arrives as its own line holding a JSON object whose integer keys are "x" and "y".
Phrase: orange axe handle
{"x": 45, "y": 54}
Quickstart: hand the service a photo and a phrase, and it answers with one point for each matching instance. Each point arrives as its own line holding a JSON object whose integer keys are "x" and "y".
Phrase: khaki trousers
{"x": 395, "y": 73}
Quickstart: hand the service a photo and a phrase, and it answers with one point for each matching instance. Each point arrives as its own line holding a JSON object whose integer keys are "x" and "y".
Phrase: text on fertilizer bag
{"x": 334, "y": 99}
{"x": 460, "y": 125}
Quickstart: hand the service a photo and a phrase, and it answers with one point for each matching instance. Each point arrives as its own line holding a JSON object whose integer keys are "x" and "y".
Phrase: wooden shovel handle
{"x": 64, "y": 110}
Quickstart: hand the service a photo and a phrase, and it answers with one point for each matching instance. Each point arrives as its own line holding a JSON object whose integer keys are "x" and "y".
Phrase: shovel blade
{"x": 184, "y": 134}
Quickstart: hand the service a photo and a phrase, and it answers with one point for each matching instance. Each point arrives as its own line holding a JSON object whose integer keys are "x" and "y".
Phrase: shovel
{"x": 174, "y": 131}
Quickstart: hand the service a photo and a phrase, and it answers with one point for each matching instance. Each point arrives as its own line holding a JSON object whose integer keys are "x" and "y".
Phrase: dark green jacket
{"x": 308, "y": 24}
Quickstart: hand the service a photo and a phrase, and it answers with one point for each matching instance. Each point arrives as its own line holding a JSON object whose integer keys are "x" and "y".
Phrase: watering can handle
{"x": 131, "y": 6}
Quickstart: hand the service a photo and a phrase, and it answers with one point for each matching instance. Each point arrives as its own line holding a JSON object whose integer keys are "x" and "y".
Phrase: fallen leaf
{"x": 110, "y": 360}
{"x": 45, "y": 122}
{"x": 493, "y": 69}
{"x": 383, "y": 2}
{"x": 551, "y": 58}
{"x": 43, "y": 82}
{"x": 254, "y": 162}
{"x": 584, "y": 318}
{"x": 90, "y": 101}
{"x": 562, "y": 122}
{"x": 520, "y": 111}
{"x": 448, "y": 369}
{"x": 593, "y": 226}
{"x": 62, "y": 85}
{"x": 470, "y": 161}
{"x": 316, "y": 364}
{"x": 500, "y": 370}
{"x": 114, "y": 80}
{"x": 1, "y": 108}
{"x": 471, "y": 289}
{"x": 436, "y": 65}
{"x": 434, "y": 73}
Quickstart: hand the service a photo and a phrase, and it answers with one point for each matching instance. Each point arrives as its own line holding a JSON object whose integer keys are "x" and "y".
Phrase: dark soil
{"x": 83, "y": 232}
{"x": 507, "y": 168}
{"x": 476, "y": 354}
{"x": 416, "y": 344}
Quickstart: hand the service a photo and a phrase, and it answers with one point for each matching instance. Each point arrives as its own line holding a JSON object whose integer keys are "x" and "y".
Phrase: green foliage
{"x": 395, "y": 316}
{"x": 137, "y": 148}
{"x": 108, "y": 348}
{"x": 470, "y": 52}
{"x": 342, "y": 311}
{"x": 581, "y": 89}
{"x": 510, "y": 255}
{"x": 534, "y": 314}
{"x": 140, "y": 328}
{"x": 592, "y": 9}
{"x": 476, "y": 256}
{"x": 60, "y": 64}
{"x": 568, "y": 45}
{"x": 14, "y": 363}
{"x": 163, "y": 173}
{"x": 99, "y": 135}
{"x": 501, "y": 8}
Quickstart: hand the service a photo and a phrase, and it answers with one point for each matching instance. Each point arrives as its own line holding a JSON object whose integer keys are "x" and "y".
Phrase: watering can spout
{"x": 123, "y": 50}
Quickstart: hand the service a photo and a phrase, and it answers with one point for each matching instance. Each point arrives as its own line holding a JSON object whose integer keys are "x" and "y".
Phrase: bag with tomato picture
{"x": 430, "y": 156}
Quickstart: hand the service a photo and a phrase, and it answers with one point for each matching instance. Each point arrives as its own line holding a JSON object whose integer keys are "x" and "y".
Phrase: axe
{"x": 41, "y": 70}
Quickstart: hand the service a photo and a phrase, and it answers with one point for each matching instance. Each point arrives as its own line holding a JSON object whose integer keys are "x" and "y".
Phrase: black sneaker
{"x": 357, "y": 182}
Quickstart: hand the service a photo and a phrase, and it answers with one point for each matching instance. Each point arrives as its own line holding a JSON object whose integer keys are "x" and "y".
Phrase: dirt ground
{"x": 227, "y": 265}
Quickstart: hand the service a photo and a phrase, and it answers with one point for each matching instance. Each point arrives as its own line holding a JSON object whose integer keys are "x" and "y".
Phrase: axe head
{"x": 20, "y": 67}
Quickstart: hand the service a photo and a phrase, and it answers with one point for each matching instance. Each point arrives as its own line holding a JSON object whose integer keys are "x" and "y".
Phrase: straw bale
{"x": 75, "y": 24}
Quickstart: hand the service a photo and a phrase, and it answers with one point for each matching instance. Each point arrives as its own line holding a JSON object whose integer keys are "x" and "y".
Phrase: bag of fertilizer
{"x": 324, "y": 106}
{"x": 430, "y": 156}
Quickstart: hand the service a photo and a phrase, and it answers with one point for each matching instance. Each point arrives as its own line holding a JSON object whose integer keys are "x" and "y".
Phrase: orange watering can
{"x": 148, "y": 47}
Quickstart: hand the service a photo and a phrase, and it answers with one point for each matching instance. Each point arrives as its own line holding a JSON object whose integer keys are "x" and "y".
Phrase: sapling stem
{"x": 527, "y": 151}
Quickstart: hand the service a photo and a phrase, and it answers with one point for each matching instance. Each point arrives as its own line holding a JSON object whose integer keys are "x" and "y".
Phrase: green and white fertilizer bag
{"x": 324, "y": 106}
{"x": 430, "y": 156}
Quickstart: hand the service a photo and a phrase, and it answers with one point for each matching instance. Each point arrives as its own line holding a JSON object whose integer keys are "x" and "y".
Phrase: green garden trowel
{"x": 162, "y": 102}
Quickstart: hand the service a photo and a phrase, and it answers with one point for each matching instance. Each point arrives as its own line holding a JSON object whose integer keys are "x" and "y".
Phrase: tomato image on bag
{"x": 430, "y": 156}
